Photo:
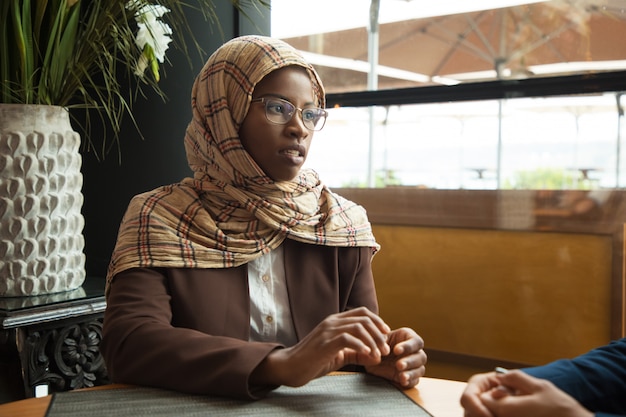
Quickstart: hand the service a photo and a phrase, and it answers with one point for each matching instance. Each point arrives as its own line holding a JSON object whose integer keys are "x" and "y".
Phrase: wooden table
{"x": 440, "y": 397}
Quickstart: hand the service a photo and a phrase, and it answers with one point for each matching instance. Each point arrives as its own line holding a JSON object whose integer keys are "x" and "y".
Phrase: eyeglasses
{"x": 281, "y": 111}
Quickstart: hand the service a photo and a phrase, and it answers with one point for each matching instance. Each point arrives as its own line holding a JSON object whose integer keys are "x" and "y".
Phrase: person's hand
{"x": 471, "y": 398}
{"x": 353, "y": 337}
{"x": 532, "y": 397}
{"x": 405, "y": 363}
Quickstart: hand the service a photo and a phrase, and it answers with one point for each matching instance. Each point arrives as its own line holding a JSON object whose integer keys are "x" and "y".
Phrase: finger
{"x": 476, "y": 385}
{"x": 520, "y": 381}
{"x": 363, "y": 327}
{"x": 405, "y": 342}
{"x": 474, "y": 407}
{"x": 359, "y": 334}
{"x": 352, "y": 357}
{"x": 405, "y": 379}
{"x": 482, "y": 382}
{"x": 405, "y": 375}
{"x": 488, "y": 401}
{"x": 411, "y": 378}
{"x": 378, "y": 338}
{"x": 408, "y": 374}
{"x": 500, "y": 392}
{"x": 412, "y": 361}
{"x": 365, "y": 312}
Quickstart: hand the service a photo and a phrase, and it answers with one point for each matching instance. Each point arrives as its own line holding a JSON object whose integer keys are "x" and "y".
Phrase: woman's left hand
{"x": 406, "y": 363}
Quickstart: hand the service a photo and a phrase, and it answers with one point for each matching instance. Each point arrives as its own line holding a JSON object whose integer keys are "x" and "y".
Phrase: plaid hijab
{"x": 230, "y": 212}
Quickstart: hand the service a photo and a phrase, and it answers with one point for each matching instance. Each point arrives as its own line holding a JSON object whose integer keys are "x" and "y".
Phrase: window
{"x": 440, "y": 111}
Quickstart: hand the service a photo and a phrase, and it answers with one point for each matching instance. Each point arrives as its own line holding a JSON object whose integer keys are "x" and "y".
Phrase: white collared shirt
{"x": 270, "y": 315}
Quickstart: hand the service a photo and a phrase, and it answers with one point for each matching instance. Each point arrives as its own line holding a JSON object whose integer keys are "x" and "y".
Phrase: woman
{"x": 252, "y": 274}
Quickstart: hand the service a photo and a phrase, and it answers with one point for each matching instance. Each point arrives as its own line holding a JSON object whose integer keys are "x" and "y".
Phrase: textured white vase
{"x": 41, "y": 225}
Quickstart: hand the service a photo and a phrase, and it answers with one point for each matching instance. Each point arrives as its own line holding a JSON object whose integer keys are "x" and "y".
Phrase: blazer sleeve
{"x": 596, "y": 379}
{"x": 150, "y": 337}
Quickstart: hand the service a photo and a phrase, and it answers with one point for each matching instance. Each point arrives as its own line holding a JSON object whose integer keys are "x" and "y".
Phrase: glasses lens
{"x": 279, "y": 111}
{"x": 314, "y": 119}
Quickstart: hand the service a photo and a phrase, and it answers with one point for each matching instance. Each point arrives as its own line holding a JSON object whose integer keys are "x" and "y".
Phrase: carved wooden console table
{"x": 55, "y": 339}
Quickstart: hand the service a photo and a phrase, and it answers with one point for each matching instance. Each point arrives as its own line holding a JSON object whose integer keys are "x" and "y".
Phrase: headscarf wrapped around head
{"x": 221, "y": 98}
{"x": 231, "y": 212}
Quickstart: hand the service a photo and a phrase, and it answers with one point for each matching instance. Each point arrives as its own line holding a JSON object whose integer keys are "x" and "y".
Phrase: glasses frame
{"x": 265, "y": 101}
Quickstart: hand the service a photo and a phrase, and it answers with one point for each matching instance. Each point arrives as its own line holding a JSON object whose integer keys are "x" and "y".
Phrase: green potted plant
{"x": 96, "y": 55}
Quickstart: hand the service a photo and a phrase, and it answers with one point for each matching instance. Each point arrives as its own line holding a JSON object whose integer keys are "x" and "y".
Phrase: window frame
{"x": 593, "y": 83}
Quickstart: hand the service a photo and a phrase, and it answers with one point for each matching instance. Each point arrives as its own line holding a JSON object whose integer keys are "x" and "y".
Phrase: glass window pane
{"x": 527, "y": 143}
{"x": 545, "y": 143}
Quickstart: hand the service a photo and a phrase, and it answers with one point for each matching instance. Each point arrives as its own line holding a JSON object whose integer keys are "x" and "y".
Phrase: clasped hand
{"x": 517, "y": 394}
{"x": 353, "y": 337}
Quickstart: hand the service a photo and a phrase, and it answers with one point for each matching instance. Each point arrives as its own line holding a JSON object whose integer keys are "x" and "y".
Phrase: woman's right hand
{"x": 353, "y": 337}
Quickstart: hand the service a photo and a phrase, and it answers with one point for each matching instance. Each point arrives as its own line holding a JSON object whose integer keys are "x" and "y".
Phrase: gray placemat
{"x": 336, "y": 395}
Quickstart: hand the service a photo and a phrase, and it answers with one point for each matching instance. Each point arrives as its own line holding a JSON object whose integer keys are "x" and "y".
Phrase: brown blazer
{"x": 187, "y": 329}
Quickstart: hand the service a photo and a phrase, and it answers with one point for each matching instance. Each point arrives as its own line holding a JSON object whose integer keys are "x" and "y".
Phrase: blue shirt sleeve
{"x": 596, "y": 379}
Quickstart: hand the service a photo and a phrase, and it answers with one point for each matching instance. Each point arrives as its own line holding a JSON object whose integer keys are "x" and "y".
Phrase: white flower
{"x": 152, "y": 30}
{"x": 153, "y": 37}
